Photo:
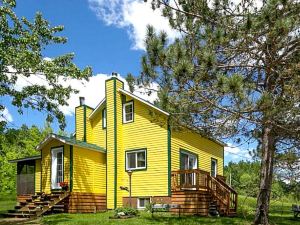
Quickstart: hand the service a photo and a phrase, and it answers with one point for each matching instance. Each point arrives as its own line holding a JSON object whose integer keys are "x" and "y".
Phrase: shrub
{"x": 128, "y": 211}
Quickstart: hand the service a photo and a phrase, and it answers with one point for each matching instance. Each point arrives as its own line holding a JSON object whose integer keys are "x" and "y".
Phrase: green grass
{"x": 159, "y": 218}
{"x": 7, "y": 202}
{"x": 280, "y": 214}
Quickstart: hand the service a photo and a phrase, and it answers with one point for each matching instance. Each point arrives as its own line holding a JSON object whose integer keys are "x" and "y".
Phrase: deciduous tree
{"x": 22, "y": 45}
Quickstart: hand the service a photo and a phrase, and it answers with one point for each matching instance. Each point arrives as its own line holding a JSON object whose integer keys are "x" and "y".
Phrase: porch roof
{"x": 70, "y": 141}
{"x": 30, "y": 158}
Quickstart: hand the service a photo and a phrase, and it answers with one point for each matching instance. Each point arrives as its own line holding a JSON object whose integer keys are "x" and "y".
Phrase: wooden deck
{"x": 201, "y": 194}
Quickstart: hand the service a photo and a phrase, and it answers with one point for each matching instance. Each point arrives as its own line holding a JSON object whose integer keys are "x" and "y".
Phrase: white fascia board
{"x": 97, "y": 109}
{"x": 143, "y": 101}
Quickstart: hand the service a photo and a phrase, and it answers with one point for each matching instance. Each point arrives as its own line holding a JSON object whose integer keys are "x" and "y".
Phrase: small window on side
{"x": 128, "y": 112}
{"x": 214, "y": 167}
{"x": 104, "y": 118}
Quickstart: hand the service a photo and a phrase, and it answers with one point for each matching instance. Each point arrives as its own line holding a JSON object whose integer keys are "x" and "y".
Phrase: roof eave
{"x": 53, "y": 136}
{"x": 95, "y": 111}
{"x": 25, "y": 159}
{"x": 143, "y": 101}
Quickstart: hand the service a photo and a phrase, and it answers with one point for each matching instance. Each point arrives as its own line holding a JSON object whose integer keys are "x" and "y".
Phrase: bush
{"x": 127, "y": 211}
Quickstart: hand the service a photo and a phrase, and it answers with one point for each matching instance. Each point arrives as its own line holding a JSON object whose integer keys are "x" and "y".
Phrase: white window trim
{"x": 136, "y": 151}
{"x": 138, "y": 202}
{"x": 104, "y": 118}
{"x": 124, "y": 112}
{"x": 216, "y": 167}
{"x": 53, "y": 178}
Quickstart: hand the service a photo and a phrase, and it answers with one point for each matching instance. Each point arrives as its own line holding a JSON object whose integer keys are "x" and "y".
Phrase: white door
{"x": 188, "y": 162}
{"x": 57, "y": 167}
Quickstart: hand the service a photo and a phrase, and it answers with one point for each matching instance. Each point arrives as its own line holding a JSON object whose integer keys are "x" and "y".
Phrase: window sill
{"x": 125, "y": 122}
{"x": 139, "y": 169}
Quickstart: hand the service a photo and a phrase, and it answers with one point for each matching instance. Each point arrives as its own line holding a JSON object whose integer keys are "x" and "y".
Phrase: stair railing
{"x": 233, "y": 195}
{"x": 223, "y": 193}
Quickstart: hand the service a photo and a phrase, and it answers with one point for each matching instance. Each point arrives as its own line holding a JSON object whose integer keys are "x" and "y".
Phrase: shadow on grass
{"x": 57, "y": 219}
{"x": 186, "y": 220}
{"x": 284, "y": 220}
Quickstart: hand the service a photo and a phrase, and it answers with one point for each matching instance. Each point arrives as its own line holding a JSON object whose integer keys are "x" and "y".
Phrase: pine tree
{"x": 232, "y": 73}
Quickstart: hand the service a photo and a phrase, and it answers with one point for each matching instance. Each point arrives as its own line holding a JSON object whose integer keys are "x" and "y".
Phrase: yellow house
{"x": 125, "y": 147}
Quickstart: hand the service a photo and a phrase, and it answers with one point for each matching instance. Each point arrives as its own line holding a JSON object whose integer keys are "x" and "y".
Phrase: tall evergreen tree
{"x": 234, "y": 72}
{"x": 22, "y": 45}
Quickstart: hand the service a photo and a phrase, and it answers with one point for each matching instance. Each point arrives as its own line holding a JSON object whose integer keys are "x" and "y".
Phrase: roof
{"x": 70, "y": 141}
{"x": 96, "y": 110}
{"x": 25, "y": 159}
{"x": 143, "y": 101}
{"x": 99, "y": 106}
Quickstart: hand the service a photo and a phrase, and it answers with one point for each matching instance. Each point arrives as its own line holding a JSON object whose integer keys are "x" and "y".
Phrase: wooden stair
{"x": 198, "y": 193}
{"x": 39, "y": 204}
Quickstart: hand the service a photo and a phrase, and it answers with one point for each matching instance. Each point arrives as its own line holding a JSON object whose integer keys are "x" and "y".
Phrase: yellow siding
{"x": 193, "y": 142}
{"x": 99, "y": 134}
{"x": 37, "y": 175}
{"x": 89, "y": 174}
{"x": 112, "y": 86}
{"x": 46, "y": 164}
{"x": 120, "y": 147}
{"x": 79, "y": 122}
{"x": 150, "y": 133}
{"x": 110, "y": 143}
{"x": 89, "y": 129}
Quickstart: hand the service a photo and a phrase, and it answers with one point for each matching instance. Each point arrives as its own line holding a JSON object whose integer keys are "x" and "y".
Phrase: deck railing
{"x": 196, "y": 179}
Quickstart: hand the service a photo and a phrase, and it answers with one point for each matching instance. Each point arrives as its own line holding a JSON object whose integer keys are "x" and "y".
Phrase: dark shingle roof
{"x": 29, "y": 158}
{"x": 71, "y": 141}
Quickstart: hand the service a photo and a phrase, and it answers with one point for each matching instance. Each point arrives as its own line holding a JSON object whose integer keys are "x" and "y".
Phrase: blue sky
{"x": 104, "y": 34}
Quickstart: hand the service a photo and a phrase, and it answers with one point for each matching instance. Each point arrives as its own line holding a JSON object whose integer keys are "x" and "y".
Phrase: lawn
{"x": 280, "y": 214}
{"x": 7, "y": 202}
{"x": 159, "y": 218}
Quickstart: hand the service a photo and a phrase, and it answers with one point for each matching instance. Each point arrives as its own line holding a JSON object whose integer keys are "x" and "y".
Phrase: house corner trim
{"x": 169, "y": 159}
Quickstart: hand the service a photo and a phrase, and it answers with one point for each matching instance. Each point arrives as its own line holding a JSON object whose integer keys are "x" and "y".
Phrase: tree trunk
{"x": 266, "y": 175}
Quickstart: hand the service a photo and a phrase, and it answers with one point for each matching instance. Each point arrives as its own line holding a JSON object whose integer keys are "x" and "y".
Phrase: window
{"x": 214, "y": 164}
{"x": 128, "y": 112}
{"x": 136, "y": 160}
{"x": 142, "y": 203}
{"x": 59, "y": 171}
{"x": 104, "y": 118}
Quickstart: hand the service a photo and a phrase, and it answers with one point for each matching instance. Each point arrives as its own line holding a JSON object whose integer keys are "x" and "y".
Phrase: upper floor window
{"x": 136, "y": 159}
{"x": 104, "y": 118}
{"x": 128, "y": 112}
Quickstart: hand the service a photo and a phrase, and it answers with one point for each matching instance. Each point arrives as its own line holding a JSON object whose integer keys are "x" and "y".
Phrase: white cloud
{"x": 133, "y": 15}
{"x": 234, "y": 153}
{"x": 93, "y": 90}
{"x": 5, "y": 115}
